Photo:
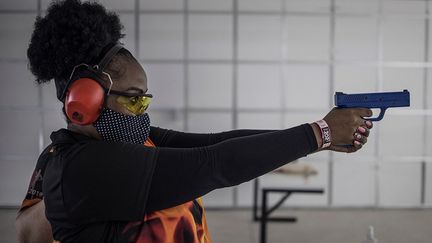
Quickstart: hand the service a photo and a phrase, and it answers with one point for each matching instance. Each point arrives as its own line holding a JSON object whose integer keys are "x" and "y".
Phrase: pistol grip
{"x": 380, "y": 116}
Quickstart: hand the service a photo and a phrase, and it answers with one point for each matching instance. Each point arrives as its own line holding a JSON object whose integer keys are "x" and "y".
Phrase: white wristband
{"x": 325, "y": 133}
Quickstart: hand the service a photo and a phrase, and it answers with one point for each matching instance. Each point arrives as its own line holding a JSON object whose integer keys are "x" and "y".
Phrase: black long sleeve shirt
{"x": 86, "y": 181}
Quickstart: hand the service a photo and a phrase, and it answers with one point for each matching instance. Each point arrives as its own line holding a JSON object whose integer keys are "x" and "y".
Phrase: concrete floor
{"x": 314, "y": 226}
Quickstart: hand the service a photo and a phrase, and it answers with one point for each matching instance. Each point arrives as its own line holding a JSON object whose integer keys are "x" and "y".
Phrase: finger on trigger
{"x": 365, "y": 112}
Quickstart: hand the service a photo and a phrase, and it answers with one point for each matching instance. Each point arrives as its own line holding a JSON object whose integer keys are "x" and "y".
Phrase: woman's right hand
{"x": 349, "y": 128}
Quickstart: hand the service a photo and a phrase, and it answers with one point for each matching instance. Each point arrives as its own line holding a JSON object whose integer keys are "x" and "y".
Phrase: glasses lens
{"x": 137, "y": 104}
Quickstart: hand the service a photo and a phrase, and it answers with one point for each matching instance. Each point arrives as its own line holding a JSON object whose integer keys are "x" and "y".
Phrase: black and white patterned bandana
{"x": 115, "y": 126}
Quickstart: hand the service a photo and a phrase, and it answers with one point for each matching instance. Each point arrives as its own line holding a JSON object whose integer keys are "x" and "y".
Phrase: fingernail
{"x": 362, "y": 129}
{"x": 358, "y": 136}
{"x": 356, "y": 142}
{"x": 368, "y": 123}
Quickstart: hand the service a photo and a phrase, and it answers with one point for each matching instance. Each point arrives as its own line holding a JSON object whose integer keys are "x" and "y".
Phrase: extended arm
{"x": 175, "y": 139}
{"x": 181, "y": 176}
{"x": 126, "y": 181}
{"x": 117, "y": 181}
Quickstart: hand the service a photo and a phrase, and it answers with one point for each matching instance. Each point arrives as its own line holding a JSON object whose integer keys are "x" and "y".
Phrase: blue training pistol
{"x": 382, "y": 101}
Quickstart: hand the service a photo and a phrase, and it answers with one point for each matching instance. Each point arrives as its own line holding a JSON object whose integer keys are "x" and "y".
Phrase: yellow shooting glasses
{"x": 135, "y": 103}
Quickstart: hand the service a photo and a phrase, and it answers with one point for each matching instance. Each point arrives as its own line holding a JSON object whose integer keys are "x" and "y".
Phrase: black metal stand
{"x": 265, "y": 213}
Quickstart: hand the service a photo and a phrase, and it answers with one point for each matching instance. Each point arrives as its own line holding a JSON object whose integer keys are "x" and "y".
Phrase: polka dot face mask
{"x": 115, "y": 126}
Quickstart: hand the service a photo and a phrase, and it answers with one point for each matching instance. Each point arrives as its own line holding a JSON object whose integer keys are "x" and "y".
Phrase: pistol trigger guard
{"x": 380, "y": 116}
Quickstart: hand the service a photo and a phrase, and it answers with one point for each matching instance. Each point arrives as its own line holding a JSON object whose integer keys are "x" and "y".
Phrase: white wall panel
{"x": 365, "y": 6}
{"x": 118, "y": 5}
{"x": 16, "y": 31}
{"x": 161, "y": 4}
{"x": 210, "y": 36}
{"x": 49, "y": 97}
{"x": 299, "y": 181}
{"x": 258, "y": 5}
{"x": 259, "y": 37}
{"x": 128, "y": 21}
{"x": 172, "y": 119}
{"x": 161, "y": 36}
{"x": 19, "y": 5}
{"x": 401, "y": 135}
{"x": 294, "y": 119}
{"x": 14, "y": 180}
{"x": 356, "y": 39}
{"x": 249, "y": 120}
{"x": 400, "y": 184}
{"x": 430, "y": 39}
{"x": 165, "y": 82}
{"x": 45, "y": 3}
{"x": 278, "y": 180}
{"x": 307, "y": 38}
{"x": 207, "y": 122}
{"x": 354, "y": 183}
{"x": 355, "y": 79}
{"x": 404, "y": 7}
{"x": 410, "y": 37}
{"x": 306, "y": 86}
{"x": 398, "y": 79}
{"x": 18, "y": 86}
{"x": 259, "y": 86}
{"x": 220, "y": 5}
{"x": 428, "y": 145}
{"x": 428, "y": 90}
{"x": 310, "y": 6}
{"x": 428, "y": 184}
{"x": 53, "y": 121}
{"x": 245, "y": 194}
{"x": 219, "y": 198}
{"x": 210, "y": 86}
{"x": 19, "y": 133}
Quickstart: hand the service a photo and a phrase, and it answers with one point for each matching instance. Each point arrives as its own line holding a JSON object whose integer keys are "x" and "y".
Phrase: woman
{"x": 99, "y": 183}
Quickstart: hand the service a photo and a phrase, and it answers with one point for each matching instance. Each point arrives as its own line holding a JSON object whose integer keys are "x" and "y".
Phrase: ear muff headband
{"x": 109, "y": 56}
{"x": 84, "y": 95}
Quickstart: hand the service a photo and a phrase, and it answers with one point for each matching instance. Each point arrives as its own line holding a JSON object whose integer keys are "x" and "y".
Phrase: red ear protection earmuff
{"x": 84, "y": 95}
{"x": 84, "y": 101}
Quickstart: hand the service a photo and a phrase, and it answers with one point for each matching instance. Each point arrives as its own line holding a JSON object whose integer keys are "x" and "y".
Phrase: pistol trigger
{"x": 380, "y": 116}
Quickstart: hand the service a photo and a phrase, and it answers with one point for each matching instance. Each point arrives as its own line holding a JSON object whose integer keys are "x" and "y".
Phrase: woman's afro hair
{"x": 71, "y": 33}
